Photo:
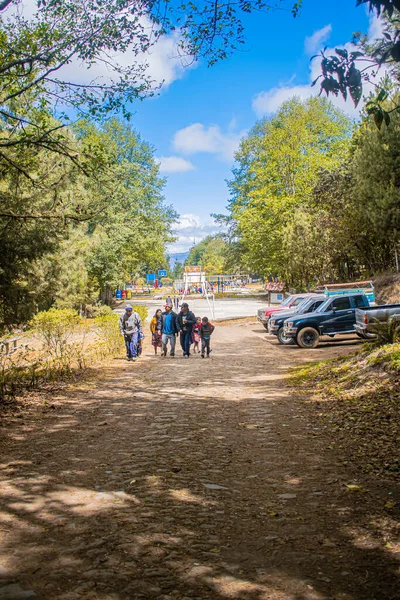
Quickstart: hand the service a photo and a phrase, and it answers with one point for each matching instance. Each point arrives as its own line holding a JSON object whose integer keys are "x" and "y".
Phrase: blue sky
{"x": 196, "y": 122}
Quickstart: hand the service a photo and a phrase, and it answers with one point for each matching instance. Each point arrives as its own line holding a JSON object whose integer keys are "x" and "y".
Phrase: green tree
{"x": 210, "y": 254}
{"x": 177, "y": 272}
{"x": 273, "y": 181}
{"x": 135, "y": 227}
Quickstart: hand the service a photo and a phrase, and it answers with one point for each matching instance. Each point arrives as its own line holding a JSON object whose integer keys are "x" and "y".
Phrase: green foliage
{"x": 101, "y": 311}
{"x": 56, "y": 327}
{"x": 36, "y": 54}
{"x": 210, "y": 253}
{"x": 118, "y": 224}
{"x": 346, "y": 73}
{"x": 386, "y": 332}
{"x": 166, "y": 281}
{"x": 142, "y": 311}
{"x": 273, "y": 222}
{"x": 109, "y": 334}
{"x": 177, "y": 272}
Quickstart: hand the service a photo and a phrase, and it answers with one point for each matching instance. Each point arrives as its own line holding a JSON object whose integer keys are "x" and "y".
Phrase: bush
{"x": 142, "y": 311}
{"x": 386, "y": 332}
{"x": 103, "y": 309}
{"x": 108, "y": 332}
{"x": 55, "y": 327}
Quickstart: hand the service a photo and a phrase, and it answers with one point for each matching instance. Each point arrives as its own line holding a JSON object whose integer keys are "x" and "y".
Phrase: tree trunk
{"x": 106, "y": 296}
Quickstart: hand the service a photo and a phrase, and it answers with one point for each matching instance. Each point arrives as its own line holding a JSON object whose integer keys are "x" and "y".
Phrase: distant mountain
{"x": 178, "y": 257}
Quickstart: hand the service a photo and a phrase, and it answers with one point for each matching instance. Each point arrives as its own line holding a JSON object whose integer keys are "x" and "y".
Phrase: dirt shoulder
{"x": 191, "y": 479}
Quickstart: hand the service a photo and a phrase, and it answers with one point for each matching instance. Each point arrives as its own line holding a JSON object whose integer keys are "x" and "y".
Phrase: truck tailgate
{"x": 381, "y": 313}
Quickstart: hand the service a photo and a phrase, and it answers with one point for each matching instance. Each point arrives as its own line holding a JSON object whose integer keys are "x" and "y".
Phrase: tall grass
{"x": 64, "y": 349}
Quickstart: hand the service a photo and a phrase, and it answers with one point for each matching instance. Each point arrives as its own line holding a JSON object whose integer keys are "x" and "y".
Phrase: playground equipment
{"x": 195, "y": 276}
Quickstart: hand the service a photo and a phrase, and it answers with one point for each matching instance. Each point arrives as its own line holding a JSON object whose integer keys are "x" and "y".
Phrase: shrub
{"x": 56, "y": 327}
{"x": 108, "y": 332}
{"x": 103, "y": 309}
{"x": 142, "y": 311}
{"x": 386, "y": 332}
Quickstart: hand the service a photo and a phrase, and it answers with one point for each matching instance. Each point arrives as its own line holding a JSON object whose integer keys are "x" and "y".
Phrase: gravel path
{"x": 191, "y": 479}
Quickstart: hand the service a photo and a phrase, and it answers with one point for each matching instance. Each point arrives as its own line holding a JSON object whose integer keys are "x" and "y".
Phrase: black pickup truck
{"x": 309, "y": 304}
{"x": 336, "y": 315}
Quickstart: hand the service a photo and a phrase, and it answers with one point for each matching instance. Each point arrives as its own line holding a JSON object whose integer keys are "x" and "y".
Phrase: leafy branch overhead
{"x": 347, "y": 72}
{"x": 92, "y": 56}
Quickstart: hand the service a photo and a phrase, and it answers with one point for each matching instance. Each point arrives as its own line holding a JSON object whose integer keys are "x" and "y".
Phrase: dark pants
{"x": 205, "y": 345}
{"x": 131, "y": 343}
{"x": 186, "y": 338}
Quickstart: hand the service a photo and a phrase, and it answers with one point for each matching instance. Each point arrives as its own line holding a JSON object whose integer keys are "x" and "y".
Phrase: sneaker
{"x": 128, "y": 358}
{"x": 133, "y": 359}
{"x": 202, "y": 356}
{"x": 186, "y": 355}
{"x": 172, "y": 354}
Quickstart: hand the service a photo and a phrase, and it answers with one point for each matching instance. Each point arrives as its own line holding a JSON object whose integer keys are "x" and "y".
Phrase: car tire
{"x": 308, "y": 338}
{"x": 282, "y": 339}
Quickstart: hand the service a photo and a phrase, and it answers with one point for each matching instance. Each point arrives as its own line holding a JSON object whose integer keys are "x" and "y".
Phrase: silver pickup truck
{"x": 366, "y": 317}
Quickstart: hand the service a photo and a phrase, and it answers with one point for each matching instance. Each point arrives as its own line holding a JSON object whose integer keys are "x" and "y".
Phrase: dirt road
{"x": 191, "y": 479}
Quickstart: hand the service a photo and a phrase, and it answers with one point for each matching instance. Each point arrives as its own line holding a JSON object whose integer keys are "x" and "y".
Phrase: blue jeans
{"x": 131, "y": 343}
{"x": 186, "y": 338}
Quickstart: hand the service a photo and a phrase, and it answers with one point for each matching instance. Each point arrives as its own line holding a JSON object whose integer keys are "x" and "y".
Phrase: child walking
{"x": 155, "y": 328}
{"x": 206, "y": 330}
{"x": 196, "y": 335}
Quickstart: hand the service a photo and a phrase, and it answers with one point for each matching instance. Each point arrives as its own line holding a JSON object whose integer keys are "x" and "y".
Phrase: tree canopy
{"x": 120, "y": 224}
{"x": 273, "y": 182}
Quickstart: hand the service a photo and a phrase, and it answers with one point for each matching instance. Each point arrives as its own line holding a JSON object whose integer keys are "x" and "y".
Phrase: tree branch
{"x": 4, "y": 4}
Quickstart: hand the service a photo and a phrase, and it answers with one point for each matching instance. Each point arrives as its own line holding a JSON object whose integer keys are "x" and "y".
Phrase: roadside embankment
{"x": 358, "y": 399}
{"x": 387, "y": 288}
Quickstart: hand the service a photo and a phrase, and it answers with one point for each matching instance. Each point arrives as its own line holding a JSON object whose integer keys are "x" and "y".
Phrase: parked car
{"x": 365, "y": 317}
{"x": 309, "y": 304}
{"x": 264, "y": 314}
{"x": 336, "y": 315}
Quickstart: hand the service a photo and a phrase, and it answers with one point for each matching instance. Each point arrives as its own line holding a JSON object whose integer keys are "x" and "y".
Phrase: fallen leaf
{"x": 355, "y": 488}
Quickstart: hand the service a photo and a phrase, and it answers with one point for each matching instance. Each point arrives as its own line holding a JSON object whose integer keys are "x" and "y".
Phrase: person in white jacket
{"x": 130, "y": 325}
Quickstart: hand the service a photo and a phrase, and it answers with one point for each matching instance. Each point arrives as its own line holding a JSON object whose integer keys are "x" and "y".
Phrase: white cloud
{"x": 267, "y": 102}
{"x": 164, "y": 62}
{"x": 175, "y": 164}
{"x": 313, "y": 43}
{"x": 191, "y": 229}
{"x": 198, "y": 138}
{"x": 376, "y": 28}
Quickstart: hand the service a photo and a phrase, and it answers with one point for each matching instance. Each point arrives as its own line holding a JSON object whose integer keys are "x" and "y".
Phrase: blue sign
{"x": 150, "y": 277}
{"x": 162, "y": 273}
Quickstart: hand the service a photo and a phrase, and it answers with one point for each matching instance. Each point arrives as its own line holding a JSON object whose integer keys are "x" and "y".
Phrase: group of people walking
{"x": 165, "y": 326}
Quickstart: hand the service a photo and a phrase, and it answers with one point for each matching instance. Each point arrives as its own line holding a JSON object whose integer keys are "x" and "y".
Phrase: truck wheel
{"x": 282, "y": 339}
{"x": 308, "y": 338}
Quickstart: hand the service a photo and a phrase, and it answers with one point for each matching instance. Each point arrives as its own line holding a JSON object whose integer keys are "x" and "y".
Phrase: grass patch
{"x": 357, "y": 398}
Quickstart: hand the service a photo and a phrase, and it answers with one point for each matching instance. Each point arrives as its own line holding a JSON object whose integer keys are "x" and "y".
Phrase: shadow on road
{"x": 188, "y": 480}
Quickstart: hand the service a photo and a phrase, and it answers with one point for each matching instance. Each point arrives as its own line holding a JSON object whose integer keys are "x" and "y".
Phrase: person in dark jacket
{"x": 185, "y": 322}
{"x": 206, "y": 330}
{"x": 169, "y": 329}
